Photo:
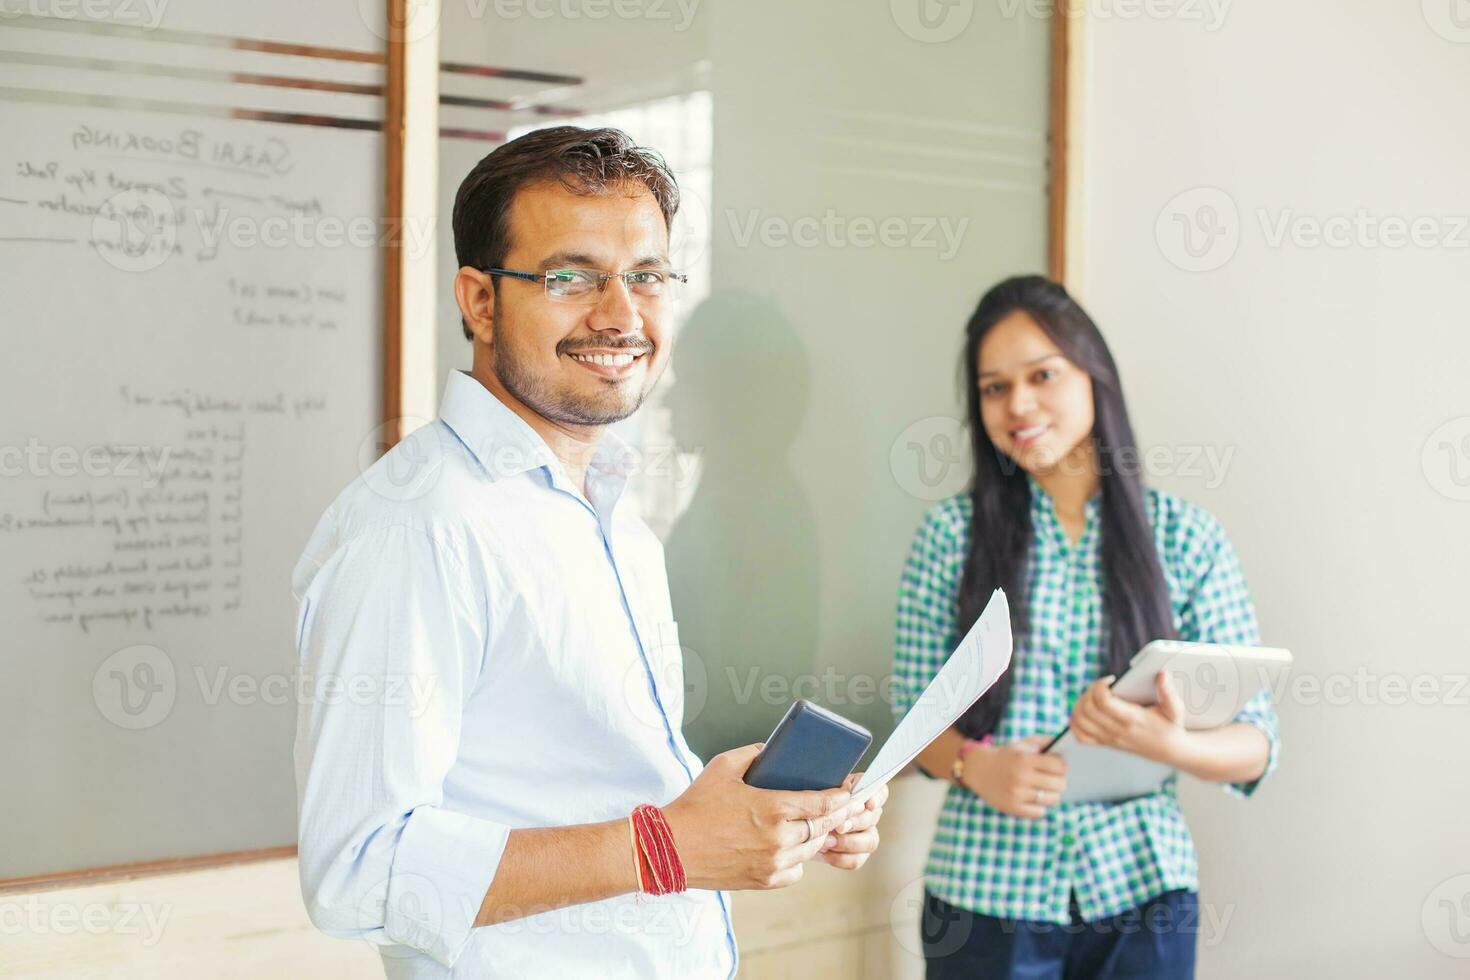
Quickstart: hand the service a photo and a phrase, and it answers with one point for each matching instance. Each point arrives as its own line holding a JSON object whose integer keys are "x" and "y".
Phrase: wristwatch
{"x": 957, "y": 768}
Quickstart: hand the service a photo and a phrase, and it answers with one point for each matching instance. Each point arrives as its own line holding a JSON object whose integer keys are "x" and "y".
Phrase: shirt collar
{"x": 1044, "y": 513}
{"x": 504, "y": 445}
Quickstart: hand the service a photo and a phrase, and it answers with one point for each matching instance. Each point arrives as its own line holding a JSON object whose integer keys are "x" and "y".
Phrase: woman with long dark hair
{"x": 1095, "y": 565}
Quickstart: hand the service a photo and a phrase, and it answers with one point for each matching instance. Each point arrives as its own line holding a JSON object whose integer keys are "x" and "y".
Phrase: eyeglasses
{"x": 646, "y": 286}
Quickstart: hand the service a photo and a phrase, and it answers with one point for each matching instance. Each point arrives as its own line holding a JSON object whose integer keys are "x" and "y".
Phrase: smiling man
{"x": 487, "y": 829}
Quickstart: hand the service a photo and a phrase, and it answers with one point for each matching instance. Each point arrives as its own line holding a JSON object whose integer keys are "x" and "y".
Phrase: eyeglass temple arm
{"x": 528, "y": 276}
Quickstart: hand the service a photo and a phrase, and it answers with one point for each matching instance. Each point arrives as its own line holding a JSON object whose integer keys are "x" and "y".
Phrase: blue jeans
{"x": 1154, "y": 940}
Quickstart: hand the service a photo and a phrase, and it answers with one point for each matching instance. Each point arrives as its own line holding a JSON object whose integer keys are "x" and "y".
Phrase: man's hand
{"x": 849, "y": 844}
{"x": 1157, "y": 732}
{"x": 734, "y": 836}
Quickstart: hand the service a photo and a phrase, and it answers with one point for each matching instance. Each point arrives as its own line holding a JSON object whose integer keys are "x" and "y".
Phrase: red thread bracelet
{"x": 657, "y": 851}
{"x": 658, "y": 846}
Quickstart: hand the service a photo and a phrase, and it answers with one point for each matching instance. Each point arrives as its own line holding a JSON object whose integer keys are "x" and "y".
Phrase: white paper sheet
{"x": 982, "y": 656}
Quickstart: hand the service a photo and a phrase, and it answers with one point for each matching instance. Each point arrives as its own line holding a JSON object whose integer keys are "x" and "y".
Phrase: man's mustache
{"x": 635, "y": 346}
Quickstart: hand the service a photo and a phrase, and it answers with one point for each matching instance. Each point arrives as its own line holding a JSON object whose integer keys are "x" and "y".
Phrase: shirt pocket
{"x": 666, "y": 658}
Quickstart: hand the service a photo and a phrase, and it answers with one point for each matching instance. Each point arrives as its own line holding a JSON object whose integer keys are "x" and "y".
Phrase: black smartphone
{"x": 811, "y": 748}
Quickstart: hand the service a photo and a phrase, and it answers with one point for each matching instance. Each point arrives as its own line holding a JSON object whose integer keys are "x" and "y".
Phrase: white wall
{"x": 1330, "y": 372}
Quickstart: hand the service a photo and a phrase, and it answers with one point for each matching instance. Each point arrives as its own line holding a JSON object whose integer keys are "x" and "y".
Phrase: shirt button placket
{"x": 1066, "y": 861}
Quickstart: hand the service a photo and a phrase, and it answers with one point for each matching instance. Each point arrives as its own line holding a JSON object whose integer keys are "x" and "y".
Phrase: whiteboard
{"x": 191, "y": 373}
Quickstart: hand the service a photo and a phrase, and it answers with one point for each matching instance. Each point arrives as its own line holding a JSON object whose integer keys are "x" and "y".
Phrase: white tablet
{"x": 1214, "y": 682}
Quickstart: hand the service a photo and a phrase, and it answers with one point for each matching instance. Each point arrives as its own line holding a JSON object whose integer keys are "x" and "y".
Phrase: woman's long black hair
{"x": 1135, "y": 595}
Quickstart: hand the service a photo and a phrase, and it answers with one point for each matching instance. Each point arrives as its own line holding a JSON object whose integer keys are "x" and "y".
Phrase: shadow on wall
{"x": 742, "y": 559}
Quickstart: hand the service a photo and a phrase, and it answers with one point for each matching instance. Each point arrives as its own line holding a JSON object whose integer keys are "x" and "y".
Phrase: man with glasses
{"x": 511, "y": 628}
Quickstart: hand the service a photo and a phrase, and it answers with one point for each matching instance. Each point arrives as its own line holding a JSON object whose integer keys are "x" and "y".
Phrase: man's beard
{"x": 567, "y": 408}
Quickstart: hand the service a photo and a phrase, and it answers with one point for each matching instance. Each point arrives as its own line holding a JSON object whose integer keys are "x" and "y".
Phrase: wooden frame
{"x": 1057, "y": 144}
{"x": 142, "y": 869}
{"x": 394, "y": 93}
{"x": 392, "y": 379}
{"x": 394, "y": 97}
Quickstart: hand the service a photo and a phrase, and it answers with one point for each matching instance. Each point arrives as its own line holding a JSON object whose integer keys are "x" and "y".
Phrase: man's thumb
{"x": 740, "y": 759}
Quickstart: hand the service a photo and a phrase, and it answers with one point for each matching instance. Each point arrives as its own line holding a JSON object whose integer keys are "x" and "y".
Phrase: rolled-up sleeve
{"x": 1220, "y": 610}
{"x": 391, "y": 639}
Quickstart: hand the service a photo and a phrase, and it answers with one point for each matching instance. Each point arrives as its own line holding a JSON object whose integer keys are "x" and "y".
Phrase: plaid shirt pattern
{"x": 1114, "y": 856}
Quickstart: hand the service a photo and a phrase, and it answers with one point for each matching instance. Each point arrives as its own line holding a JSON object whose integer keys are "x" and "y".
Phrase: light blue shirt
{"x": 488, "y": 649}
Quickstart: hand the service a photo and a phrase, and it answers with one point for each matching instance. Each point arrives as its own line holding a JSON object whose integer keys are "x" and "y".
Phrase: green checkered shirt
{"x": 1114, "y": 856}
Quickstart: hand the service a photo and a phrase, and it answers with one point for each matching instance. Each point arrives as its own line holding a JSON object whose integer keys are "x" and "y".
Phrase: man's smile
{"x": 610, "y": 363}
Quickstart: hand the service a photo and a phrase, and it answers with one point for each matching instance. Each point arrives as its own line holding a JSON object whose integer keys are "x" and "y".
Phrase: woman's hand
{"x": 1017, "y": 778}
{"x": 849, "y": 844}
{"x": 1156, "y": 732}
